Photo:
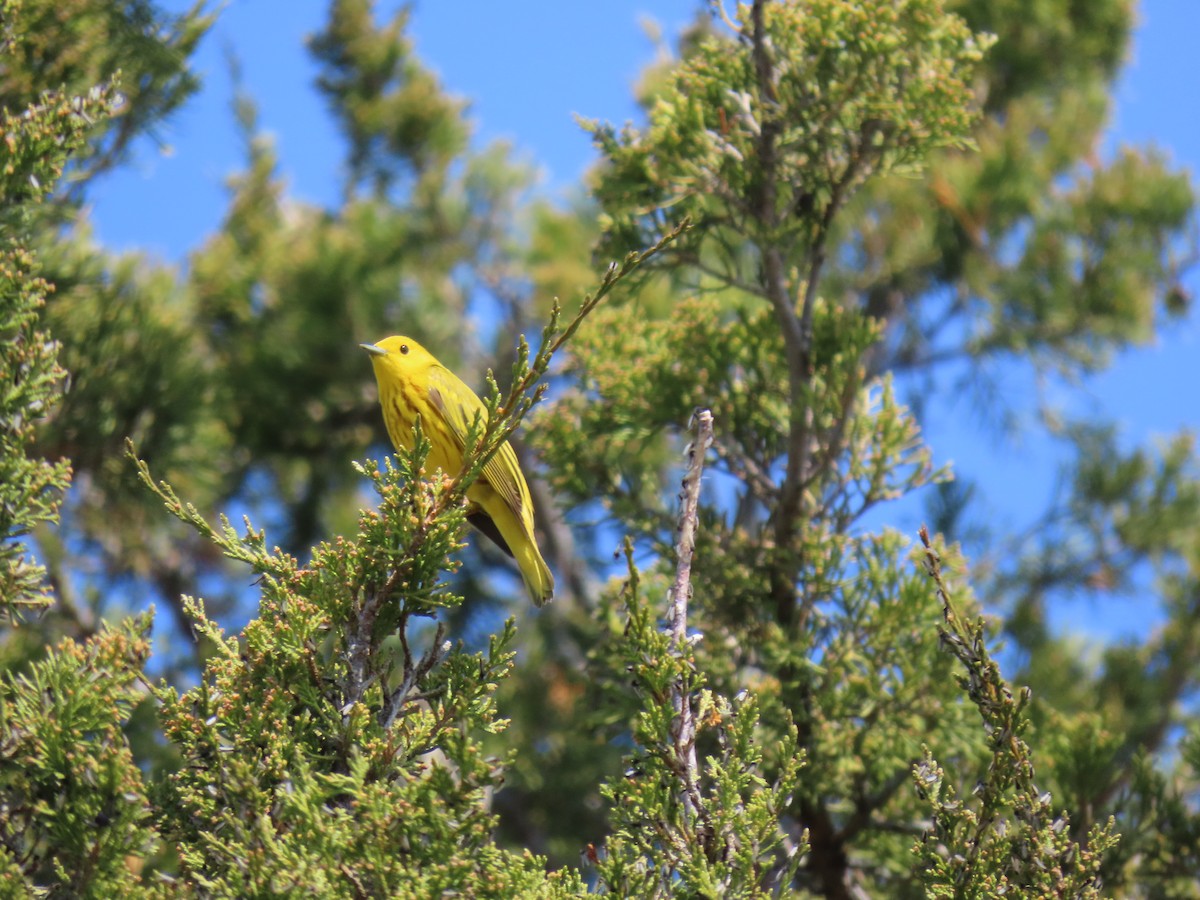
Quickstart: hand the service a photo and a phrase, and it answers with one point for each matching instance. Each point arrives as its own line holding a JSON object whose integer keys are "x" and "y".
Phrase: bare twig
{"x": 413, "y": 673}
{"x": 684, "y": 726}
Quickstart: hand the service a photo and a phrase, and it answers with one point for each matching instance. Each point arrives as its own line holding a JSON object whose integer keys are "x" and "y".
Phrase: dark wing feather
{"x": 487, "y": 527}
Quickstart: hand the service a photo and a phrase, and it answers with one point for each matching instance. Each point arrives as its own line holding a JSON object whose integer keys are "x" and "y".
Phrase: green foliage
{"x": 873, "y": 188}
{"x": 74, "y": 812}
{"x": 395, "y": 115}
{"x": 323, "y": 750}
{"x": 29, "y": 487}
{"x": 1030, "y": 245}
{"x": 1096, "y": 246}
{"x": 37, "y": 141}
{"x": 1127, "y": 528}
{"x": 763, "y": 135}
{"x": 76, "y": 820}
{"x": 335, "y": 746}
{"x": 101, "y": 74}
{"x": 801, "y": 597}
{"x": 721, "y": 838}
{"x": 1162, "y": 853}
{"x": 1010, "y": 839}
{"x": 72, "y": 46}
{"x": 106, "y": 310}
{"x": 770, "y": 135}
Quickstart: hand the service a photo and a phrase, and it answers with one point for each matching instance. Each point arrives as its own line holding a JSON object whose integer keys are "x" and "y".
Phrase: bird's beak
{"x": 373, "y": 350}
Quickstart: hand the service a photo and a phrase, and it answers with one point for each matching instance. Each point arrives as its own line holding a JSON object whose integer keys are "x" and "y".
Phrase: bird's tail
{"x": 536, "y": 574}
{"x": 518, "y": 540}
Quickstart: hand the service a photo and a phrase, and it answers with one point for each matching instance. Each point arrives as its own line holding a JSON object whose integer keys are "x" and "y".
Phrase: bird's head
{"x": 399, "y": 354}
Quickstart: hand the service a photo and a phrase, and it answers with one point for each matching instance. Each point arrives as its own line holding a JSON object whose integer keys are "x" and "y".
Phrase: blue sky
{"x": 527, "y": 69}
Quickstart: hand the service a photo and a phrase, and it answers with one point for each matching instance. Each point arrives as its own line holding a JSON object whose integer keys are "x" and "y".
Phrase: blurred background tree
{"x": 880, "y": 217}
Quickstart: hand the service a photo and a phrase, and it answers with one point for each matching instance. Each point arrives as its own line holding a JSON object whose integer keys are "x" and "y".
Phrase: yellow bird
{"x": 413, "y": 383}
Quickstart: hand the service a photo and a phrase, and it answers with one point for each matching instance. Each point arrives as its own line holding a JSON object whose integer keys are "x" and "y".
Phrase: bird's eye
{"x": 404, "y": 348}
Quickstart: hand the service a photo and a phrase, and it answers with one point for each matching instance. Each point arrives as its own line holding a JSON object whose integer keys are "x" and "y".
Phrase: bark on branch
{"x": 684, "y": 726}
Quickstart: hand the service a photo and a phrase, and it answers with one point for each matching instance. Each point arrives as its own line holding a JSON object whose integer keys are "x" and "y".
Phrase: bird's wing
{"x": 458, "y": 404}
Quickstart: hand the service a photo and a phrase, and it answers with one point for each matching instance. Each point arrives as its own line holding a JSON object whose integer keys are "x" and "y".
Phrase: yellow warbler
{"x": 413, "y": 383}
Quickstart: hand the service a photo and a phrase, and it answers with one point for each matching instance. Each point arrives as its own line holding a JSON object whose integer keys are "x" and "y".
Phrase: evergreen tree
{"x": 830, "y": 205}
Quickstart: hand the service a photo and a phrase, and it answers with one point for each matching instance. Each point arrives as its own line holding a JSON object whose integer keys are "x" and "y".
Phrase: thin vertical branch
{"x": 828, "y": 861}
{"x": 797, "y": 342}
{"x": 684, "y": 726}
{"x": 797, "y": 330}
{"x": 395, "y": 701}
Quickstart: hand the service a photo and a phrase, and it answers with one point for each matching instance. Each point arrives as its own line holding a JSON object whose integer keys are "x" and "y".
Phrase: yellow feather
{"x": 413, "y": 383}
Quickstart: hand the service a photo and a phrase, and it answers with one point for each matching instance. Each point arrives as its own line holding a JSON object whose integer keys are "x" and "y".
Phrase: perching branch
{"x": 505, "y": 412}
